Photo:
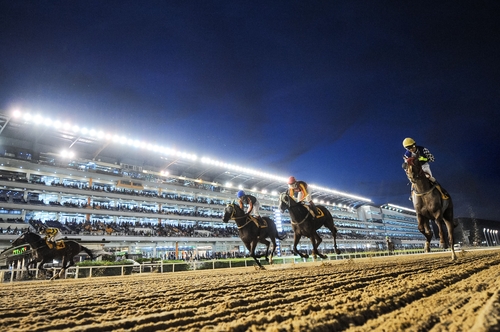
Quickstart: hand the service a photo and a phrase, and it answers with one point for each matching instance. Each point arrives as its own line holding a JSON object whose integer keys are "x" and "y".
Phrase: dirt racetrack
{"x": 404, "y": 293}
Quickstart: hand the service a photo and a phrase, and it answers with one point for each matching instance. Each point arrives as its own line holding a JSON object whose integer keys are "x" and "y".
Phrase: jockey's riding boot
{"x": 313, "y": 208}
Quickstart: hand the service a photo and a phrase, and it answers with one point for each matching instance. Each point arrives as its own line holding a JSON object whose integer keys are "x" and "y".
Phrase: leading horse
{"x": 304, "y": 224}
{"x": 251, "y": 233}
{"x": 43, "y": 254}
{"x": 430, "y": 203}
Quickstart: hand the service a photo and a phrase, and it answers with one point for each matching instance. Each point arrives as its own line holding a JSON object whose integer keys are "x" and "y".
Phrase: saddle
{"x": 319, "y": 213}
{"x": 262, "y": 223}
{"x": 444, "y": 194}
{"x": 59, "y": 244}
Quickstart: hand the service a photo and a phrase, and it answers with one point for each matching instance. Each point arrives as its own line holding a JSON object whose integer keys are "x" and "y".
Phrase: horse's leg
{"x": 66, "y": 262}
{"x": 296, "y": 239}
{"x": 271, "y": 255}
{"x": 425, "y": 229}
{"x": 331, "y": 226}
{"x": 450, "y": 225}
{"x": 28, "y": 264}
{"x": 251, "y": 247}
{"x": 334, "y": 233}
{"x": 316, "y": 243}
{"x": 41, "y": 269}
{"x": 267, "y": 243}
{"x": 440, "y": 224}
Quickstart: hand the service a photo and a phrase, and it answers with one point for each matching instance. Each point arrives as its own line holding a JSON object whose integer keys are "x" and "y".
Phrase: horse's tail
{"x": 281, "y": 237}
{"x": 88, "y": 251}
{"x": 272, "y": 224}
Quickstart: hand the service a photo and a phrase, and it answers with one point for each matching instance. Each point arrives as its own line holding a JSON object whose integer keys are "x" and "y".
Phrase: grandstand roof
{"x": 45, "y": 138}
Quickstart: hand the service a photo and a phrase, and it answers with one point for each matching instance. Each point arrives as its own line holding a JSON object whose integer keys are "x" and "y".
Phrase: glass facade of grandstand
{"x": 138, "y": 209}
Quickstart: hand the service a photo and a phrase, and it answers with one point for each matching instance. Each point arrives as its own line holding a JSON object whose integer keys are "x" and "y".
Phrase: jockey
{"x": 253, "y": 204}
{"x": 52, "y": 235}
{"x": 424, "y": 156}
{"x": 300, "y": 187}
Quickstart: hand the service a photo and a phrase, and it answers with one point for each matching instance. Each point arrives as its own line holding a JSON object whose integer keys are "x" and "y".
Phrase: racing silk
{"x": 300, "y": 187}
{"x": 424, "y": 155}
{"x": 51, "y": 232}
{"x": 248, "y": 199}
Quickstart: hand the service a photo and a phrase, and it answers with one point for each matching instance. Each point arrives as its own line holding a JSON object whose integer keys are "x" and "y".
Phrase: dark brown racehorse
{"x": 304, "y": 224}
{"x": 251, "y": 234}
{"x": 43, "y": 254}
{"x": 430, "y": 204}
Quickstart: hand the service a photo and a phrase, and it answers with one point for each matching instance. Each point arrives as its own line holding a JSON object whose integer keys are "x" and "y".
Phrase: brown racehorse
{"x": 304, "y": 224}
{"x": 251, "y": 234}
{"x": 430, "y": 204}
{"x": 43, "y": 254}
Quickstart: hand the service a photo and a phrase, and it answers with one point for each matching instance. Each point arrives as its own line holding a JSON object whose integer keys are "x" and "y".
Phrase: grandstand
{"x": 128, "y": 196}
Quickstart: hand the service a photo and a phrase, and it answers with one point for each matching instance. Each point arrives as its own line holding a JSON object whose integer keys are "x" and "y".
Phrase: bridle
{"x": 282, "y": 199}
{"x": 410, "y": 162}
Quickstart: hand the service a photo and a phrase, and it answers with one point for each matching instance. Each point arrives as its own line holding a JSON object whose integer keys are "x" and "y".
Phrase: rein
{"x": 428, "y": 191}
{"x": 299, "y": 222}
{"x": 408, "y": 171}
{"x": 244, "y": 216}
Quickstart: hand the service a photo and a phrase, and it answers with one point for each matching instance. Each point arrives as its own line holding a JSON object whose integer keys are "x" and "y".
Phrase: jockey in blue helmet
{"x": 251, "y": 201}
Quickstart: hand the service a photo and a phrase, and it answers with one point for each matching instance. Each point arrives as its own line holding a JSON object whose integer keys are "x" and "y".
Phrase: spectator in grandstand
{"x": 52, "y": 235}
{"x": 253, "y": 205}
{"x": 298, "y": 191}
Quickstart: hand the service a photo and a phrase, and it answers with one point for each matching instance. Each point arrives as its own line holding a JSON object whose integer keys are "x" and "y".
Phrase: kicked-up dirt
{"x": 426, "y": 292}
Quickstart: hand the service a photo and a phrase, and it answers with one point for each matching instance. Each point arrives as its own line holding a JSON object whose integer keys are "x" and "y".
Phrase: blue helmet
{"x": 240, "y": 194}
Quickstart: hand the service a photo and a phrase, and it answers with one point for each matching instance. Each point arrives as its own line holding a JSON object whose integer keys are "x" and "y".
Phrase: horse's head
{"x": 26, "y": 237}
{"x": 285, "y": 202}
{"x": 413, "y": 169}
{"x": 230, "y": 211}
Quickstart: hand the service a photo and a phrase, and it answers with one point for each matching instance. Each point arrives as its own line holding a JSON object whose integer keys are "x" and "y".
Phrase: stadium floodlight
{"x": 37, "y": 119}
{"x": 67, "y": 154}
{"x": 389, "y": 206}
{"x": 164, "y": 150}
{"x": 229, "y": 184}
{"x": 27, "y": 117}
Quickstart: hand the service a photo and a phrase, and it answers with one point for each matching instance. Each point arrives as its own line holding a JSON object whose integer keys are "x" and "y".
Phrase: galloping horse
{"x": 430, "y": 204}
{"x": 251, "y": 233}
{"x": 304, "y": 224}
{"x": 43, "y": 254}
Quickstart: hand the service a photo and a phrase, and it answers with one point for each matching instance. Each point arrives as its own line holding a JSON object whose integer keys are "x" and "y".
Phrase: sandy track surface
{"x": 410, "y": 293}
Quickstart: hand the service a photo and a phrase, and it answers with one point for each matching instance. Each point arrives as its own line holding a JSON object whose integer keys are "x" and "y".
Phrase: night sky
{"x": 322, "y": 90}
